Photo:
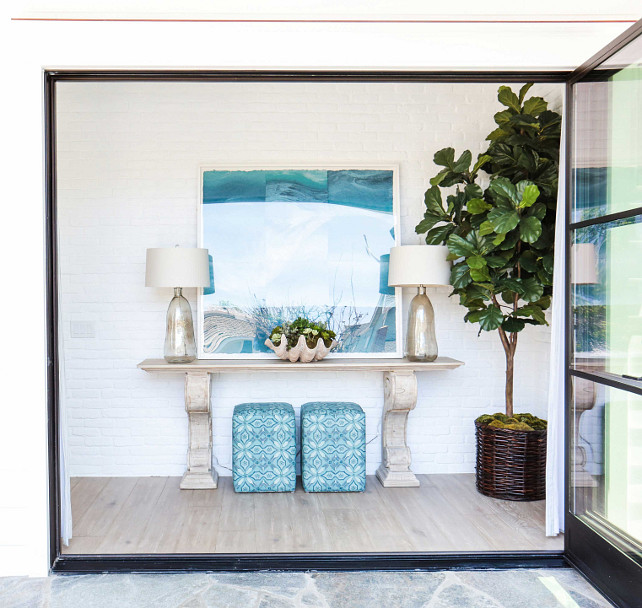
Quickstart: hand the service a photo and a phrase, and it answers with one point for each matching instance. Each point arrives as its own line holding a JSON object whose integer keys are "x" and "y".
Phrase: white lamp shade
{"x": 583, "y": 264}
{"x": 414, "y": 265}
{"x": 177, "y": 267}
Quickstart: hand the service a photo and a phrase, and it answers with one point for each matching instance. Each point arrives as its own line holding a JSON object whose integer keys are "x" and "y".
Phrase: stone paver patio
{"x": 551, "y": 588}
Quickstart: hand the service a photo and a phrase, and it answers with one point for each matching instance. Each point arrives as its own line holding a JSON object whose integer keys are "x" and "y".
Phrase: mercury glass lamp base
{"x": 421, "y": 342}
{"x": 180, "y": 345}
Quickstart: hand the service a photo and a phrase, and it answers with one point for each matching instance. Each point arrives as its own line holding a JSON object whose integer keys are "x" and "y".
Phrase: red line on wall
{"x": 375, "y": 21}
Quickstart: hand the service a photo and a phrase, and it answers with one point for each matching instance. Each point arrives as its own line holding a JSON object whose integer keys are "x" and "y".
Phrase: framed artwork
{"x": 288, "y": 242}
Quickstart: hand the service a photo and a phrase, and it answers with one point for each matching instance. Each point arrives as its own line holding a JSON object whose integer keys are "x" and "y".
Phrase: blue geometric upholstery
{"x": 333, "y": 447}
{"x": 263, "y": 447}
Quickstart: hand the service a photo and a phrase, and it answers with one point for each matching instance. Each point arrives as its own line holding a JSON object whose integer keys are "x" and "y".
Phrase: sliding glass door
{"x": 604, "y": 522}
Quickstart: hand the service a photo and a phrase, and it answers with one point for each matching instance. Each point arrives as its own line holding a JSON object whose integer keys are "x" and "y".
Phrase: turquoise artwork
{"x": 287, "y": 243}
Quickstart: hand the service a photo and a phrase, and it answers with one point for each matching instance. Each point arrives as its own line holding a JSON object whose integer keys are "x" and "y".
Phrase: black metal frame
{"x": 614, "y": 573}
{"x": 338, "y": 561}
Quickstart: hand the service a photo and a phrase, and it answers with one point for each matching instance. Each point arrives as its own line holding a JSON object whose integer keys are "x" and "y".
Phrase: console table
{"x": 400, "y": 397}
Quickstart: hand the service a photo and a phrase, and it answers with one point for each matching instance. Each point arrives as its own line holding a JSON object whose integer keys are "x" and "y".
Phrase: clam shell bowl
{"x": 301, "y": 352}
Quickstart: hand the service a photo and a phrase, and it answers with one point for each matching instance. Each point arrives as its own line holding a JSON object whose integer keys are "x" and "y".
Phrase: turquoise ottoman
{"x": 333, "y": 447}
{"x": 263, "y": 447}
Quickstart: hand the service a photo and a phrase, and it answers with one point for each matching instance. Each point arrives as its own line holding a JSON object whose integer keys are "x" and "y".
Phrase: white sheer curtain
{"x": 63, "y": 456}
{"x": 555, "y": 436}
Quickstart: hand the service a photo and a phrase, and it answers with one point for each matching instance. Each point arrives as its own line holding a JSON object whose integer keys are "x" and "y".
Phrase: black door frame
{"x": 610, "y": 570}
{"x": 229, "y": 562}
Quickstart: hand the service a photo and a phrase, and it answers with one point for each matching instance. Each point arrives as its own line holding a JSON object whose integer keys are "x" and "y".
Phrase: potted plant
{"x": 301, "y": 340}
{"x": 500, "y": 238}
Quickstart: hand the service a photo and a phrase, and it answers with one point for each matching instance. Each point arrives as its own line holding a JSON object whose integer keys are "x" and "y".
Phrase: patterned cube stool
{"x": 333, "y": 447}
{"x": 263, "y": 447}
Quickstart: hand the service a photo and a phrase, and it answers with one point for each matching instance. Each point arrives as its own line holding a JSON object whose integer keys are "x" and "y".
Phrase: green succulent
{"x": 302, "y": 327}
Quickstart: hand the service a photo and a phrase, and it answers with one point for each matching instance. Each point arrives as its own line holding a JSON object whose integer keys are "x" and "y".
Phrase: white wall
{"x": 128, "y": 159}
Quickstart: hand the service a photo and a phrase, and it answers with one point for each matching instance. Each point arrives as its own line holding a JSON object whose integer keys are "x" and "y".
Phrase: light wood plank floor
{"x": 152, "y": 515}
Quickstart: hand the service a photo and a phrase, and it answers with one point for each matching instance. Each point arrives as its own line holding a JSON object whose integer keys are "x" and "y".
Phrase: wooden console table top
{"x": 278, "y": 365}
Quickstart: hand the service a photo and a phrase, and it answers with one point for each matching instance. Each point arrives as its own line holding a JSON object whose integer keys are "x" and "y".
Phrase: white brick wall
{"x": 128, "y": 179}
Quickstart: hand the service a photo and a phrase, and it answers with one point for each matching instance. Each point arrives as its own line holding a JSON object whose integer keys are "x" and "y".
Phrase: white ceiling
{"x": 332, "y": 9}
{"x": 330, "y": 34}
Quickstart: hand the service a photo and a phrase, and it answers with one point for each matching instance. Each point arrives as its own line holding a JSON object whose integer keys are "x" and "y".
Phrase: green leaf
{"x": 473, "y": 316}
{"x": 463, "y": 162}
{"x": 501, "y": 118}
{"x": 460, "y": 276}
{"x": 547, "y": 262}
{"x": 479, "y": 274}
{"x": 434, "y": 205}
{"x": 538, "y": 210}
{"x": 530, "y": 229}
{"x": 513, "y": 325}
{"x": 528, "y": 261}
{"x": 524, "y": 90}
{"x": 496, "y": 134}
{"x": 477, "y": 205}
{"x": 445, "y": 158}
{"x": 490, "y": 318}
{"x": 486, "y": 228}
{"x": 504, "y": 191}
{"x": 544, "y": 302}
{"x": 476, "y": 261}
{"x": 481, "y": 160}
{"x": 508, "y": 98}
{"x": 532, "y": 290}
{"x": 495, "y": 261}
{"x": 510, "y": 241}
{"x": 427, "y": 223}
{"x": 502, "y": 220}
{"x": 535, "y": 106}
{"x": 529, "y": 195}
{"x": 534, "y": 311}
{"x": 435, "y": 181}
{"x": 499, "y": 239}
{"x": 514, "y": 285}
{"x": 439, "y": 235}
{"x": 459, "y": 246}
{"x": 473, "y": 191}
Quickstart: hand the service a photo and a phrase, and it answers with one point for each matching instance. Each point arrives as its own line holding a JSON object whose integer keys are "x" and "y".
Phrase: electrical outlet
{"x": 82, "y": 329}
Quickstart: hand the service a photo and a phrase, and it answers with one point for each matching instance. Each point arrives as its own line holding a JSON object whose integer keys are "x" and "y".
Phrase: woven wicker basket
{"x": 511, "y": 465}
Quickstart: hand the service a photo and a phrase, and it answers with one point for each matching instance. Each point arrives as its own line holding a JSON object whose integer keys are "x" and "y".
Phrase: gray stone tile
{"x": 528, "y": 588}
{"x": 24, "y": 592}
{"x": 126, "y": 590}
{"x": 287, "y": 584}
{"x": 228, "y": 596}
{"x": 372, "y": 589}
{"x": 462, "y": 596}
{"x": 273, "y": 601}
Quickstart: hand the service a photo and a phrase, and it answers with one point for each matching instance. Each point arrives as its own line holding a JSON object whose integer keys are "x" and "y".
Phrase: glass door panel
{"x": 604, "y": 458}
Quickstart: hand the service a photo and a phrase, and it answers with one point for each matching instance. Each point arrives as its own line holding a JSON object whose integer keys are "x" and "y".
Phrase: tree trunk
{"x": 510, "y": 358}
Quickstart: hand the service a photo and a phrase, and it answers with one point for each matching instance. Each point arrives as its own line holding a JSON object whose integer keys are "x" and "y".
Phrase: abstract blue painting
{"x": 286, "y": 243}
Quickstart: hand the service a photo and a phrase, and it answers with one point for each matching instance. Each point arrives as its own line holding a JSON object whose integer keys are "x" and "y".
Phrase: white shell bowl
{"x": 301, "y": 352}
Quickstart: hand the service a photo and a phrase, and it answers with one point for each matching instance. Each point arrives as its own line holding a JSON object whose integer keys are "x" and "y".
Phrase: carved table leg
{"x": 400, "y": 396}
{"x": 199, "y": 474}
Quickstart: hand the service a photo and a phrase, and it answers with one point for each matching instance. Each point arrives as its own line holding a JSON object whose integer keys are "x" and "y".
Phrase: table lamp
{"x": 178, "y": 267}
{"x": 584, "y": 264}
{"x": 420, "y": 266}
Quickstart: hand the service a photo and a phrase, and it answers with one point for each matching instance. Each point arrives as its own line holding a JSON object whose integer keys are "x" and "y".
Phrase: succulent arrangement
{"x": 302, "y": 327}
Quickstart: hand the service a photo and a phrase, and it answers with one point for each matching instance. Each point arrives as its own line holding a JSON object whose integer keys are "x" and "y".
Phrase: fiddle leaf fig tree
{"x": 500, "y": 237}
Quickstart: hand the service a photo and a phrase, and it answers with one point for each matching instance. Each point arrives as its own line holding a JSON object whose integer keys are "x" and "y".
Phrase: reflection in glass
{"x": 606, "y": 475}
{"x": 607, "y": 146}
{"x": 606, "y": 283}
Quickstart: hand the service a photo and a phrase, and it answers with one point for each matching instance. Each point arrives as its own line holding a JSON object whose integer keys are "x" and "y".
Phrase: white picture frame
{"x": 202, "y": 227}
